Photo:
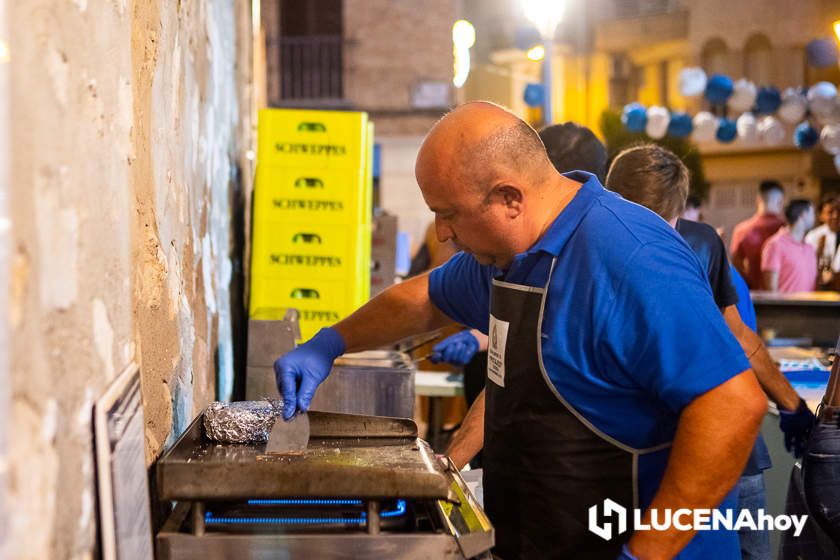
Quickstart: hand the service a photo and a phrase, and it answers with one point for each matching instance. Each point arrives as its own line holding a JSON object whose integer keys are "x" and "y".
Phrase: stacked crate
{"x": 312, "y": 216}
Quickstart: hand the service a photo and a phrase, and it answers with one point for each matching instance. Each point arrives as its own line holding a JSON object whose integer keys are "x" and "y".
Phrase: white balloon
{"x": 771, "y": 131}
{"x": 793, "y": 107}
{"x": 657, "y": 121}
{"x": 705, "y": 127}
{"x": 692, "y": 82}
{"x": 743, "y": 96}
{"x": 747, "y": 128}
{"x": 830, "y": 139}
{"x": 830, "y": 116}
{"x": 821, "y": 97}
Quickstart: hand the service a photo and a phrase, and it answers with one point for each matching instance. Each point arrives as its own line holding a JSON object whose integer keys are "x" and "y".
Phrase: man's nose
{"x": 443, "y": 232}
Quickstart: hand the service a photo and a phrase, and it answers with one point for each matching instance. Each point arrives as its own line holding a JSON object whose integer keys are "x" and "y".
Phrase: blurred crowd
{"x": 789, "y": 247}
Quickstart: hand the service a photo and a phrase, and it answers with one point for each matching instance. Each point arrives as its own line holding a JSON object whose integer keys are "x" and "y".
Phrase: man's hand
{"x": 299, "y": 372}
{"x": 797, "y": 427}
{"x": 457, "y": 349}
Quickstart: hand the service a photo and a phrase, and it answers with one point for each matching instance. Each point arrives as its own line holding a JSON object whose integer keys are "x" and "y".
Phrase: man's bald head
{"x": 480, "y": 143}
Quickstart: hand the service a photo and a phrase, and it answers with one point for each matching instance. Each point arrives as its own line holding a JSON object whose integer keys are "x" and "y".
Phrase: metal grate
{"x": 311, "y": 67}
{"x": 638, "y": 8}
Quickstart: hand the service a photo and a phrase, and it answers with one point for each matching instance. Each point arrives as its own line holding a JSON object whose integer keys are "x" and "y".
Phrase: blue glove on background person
{"x": 626, "y": 554}
{"x": 797, "y": 427}
{"x": 457, "y": 349}
{"x": 299, "y": 372}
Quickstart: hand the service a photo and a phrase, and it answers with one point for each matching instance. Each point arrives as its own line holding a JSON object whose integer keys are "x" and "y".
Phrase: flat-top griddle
{"x": 365, "y": 485}
{"x": 348, "y": 456}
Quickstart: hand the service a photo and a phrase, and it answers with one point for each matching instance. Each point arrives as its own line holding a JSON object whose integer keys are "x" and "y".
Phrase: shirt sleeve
{"x": 461, "y": 289}
{"x": 721, "y": 280}
{"x": 665, "y": 334}
{"x": 771, "y": 257}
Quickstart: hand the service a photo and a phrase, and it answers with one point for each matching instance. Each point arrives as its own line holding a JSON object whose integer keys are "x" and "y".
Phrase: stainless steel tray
{"x": 348, "y": 456}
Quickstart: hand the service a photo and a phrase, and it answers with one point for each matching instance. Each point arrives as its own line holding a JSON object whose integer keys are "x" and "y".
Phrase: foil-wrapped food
{"x": 241, "y": 421}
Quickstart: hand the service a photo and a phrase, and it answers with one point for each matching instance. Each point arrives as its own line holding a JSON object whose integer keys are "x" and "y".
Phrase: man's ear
{"x": 511, "y": 197}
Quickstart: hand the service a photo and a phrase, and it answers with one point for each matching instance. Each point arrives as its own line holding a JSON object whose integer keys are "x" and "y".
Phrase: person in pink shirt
{"x": 789, "y": 263}
{"x": 749, "y": 236}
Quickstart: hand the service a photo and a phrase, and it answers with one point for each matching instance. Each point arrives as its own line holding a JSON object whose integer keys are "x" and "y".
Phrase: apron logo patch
{"x": 496, "y": 351}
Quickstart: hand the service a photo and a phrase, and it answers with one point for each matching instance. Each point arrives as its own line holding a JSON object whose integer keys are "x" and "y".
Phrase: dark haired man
{"x": 789, "y": 263}
{"x": 825, "y": 239}
{"x": 749, "y": 236}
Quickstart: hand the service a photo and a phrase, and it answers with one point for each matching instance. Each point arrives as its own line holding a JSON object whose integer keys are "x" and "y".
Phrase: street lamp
{"x": 545, "y": 15}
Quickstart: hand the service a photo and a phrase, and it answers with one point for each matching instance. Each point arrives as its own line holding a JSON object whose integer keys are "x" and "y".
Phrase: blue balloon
{"x": 727, "y": 131}
{"x": 767, "y": 101}
{"x": 718, "y": 89}
{"x": 634, "y": 117}
{"x": 534, "y": 95}
{"x": 821, "y": 53}
{"x": 805, "y": 136}
{"x": 680, "y": 125}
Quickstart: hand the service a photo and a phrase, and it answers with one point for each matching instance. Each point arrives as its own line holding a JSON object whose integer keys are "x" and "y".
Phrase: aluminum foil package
{"x": 241, "y": 421}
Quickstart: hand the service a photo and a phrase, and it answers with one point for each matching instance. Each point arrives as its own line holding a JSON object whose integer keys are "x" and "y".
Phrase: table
{"x": 436, "y": 385}
{"x": 813, "y": 316}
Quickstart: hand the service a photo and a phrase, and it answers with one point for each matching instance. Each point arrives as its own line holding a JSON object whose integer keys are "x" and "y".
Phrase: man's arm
{"x": 469, "y": 439}
{"x": 771, "y": 379}
{"x": 714, "y": 437}
{"x": 771, "y": 280}
{"x": 741, "y": 265}
{"x": 400, "y": 311}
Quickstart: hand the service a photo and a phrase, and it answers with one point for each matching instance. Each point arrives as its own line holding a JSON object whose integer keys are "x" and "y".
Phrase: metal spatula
{"x": 289, "y": 437}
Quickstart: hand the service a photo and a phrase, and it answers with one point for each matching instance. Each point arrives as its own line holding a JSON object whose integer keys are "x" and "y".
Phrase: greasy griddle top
{"x": 348, "y": 456}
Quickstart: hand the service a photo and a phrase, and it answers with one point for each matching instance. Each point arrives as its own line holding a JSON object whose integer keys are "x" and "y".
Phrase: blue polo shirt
{"x": 624, "y": 306}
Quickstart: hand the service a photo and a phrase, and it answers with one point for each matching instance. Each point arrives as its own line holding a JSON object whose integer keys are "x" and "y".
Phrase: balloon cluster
{"x": 754, "y": 115}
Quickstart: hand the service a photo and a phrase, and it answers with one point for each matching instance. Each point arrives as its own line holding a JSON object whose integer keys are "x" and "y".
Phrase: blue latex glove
{"x": 797, "y": 427}
{"x": 626, "y": 554}
{"x": 299, "y": 372}
{"x": 457, "y": 349}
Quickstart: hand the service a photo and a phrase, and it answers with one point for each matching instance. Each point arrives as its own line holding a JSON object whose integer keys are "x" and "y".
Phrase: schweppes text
{"x": 310, "y": 315}
{"x": 301, "y": 204}
{"x": 305, "y": 260}
{"x": 310, "y": 149}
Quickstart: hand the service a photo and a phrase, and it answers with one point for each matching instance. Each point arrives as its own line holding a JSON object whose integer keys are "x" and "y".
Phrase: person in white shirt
{"x": 824, "y": 239}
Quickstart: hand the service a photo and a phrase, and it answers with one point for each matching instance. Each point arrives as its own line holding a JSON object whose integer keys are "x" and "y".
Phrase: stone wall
{"x": 127, "y": 123}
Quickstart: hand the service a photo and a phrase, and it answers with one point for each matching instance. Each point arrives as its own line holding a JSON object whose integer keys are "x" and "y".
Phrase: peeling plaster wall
{"x": 128, "y": 119}
{"x": 5, "y": 232}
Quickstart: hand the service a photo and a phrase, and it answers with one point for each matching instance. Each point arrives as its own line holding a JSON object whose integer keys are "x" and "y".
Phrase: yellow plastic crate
{"x": 363, "y": 275}
{"x": 315, "y": 139}
{"x": 327, "y": 196}
{"x": 303, "y": 250}
{"x": 367, "y": 188}
{"x": 321, "y": 303}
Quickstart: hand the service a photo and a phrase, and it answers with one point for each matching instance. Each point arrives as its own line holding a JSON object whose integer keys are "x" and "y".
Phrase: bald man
{"x": 597, "y": 386}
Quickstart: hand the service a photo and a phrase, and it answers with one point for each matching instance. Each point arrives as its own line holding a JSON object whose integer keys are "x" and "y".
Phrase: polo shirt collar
{"x": 564, "y": 225}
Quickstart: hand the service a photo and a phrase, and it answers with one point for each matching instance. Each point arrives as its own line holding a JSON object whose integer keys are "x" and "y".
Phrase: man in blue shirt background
{"x": 598, "y": 386}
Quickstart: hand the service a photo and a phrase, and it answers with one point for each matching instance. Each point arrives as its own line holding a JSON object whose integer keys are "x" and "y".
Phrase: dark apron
{"x": 544, "y": 465}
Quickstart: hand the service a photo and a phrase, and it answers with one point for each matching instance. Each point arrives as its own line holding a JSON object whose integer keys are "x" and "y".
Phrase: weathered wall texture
{"x": 128, "y": 118}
